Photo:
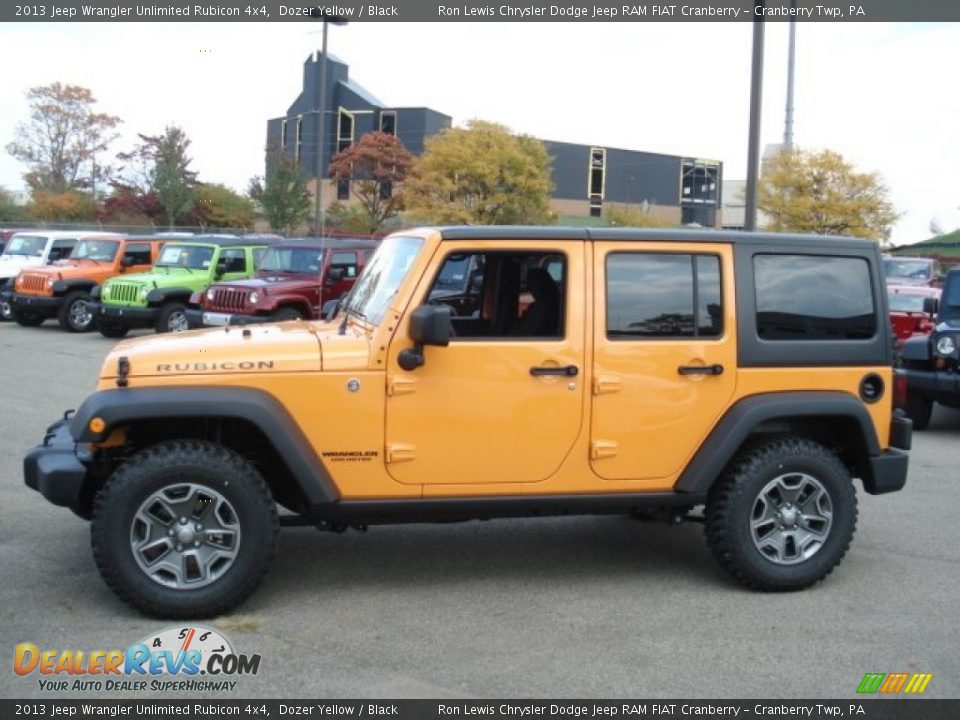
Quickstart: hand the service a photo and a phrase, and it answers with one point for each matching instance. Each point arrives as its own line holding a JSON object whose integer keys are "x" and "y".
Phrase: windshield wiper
{"x": 347, "y": 313}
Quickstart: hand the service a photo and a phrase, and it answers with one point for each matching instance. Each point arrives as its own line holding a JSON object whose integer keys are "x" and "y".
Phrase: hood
{"x": 275, "y": 348}
{"x": 273, "y": 280}
{"x": 159, "y": 278}
{"x": 73, "y": 269}
{"x": 10, "y": 265}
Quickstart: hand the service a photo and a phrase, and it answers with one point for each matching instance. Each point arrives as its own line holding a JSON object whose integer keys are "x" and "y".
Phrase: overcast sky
{"x": 883, "y": 95}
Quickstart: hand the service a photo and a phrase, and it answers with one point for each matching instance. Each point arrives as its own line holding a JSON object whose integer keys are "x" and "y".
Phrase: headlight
{"x": 254, "y": 298}
{"x": 210, "y": 294}
{"x": 143, "y": 293}
{"x": 946, "y": 345}
{"x": 106, "y": 291}
{"x": 50, "y": 282}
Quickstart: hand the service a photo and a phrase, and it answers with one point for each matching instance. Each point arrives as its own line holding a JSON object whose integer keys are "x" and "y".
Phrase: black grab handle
{"x": 566, "y": 371}
{"x": 700, "y": 370}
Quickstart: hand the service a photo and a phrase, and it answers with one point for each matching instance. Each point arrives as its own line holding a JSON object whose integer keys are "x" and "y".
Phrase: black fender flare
{"x": 729, "y": 434}
{"x": 263, "y": 410}
{"x": 62, "y": 287}
{"x": 159, "y": 296}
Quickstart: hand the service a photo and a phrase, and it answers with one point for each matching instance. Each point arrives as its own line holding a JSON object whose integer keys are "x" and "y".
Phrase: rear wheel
{"x": 28, "y": 318}
{"x": 286, "y": 314}
{"x": 783, "y": 515}
{"x": 918, "y": 409}
{"x": 172, "y": 318}
{"x": 184, "y": 529}
{"x": 74, "y": 316}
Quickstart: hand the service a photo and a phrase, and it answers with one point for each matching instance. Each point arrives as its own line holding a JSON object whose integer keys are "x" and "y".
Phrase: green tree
{"x": 70, "y": 205}
{"x": 283, "y": 193}
{"x": 10, "y": 211}
{"x": 481, "y": 175}
{"x": 632, "y": 216}
{"x": 218, "y": 206}
{"x": 170, "y": 177}
{"x": 376, "y": 167}
{"x": 63, "y": 138}
{"x": 820, "y": 192}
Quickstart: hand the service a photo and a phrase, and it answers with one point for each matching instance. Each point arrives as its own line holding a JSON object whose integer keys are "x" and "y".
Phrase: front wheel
{"x": 184, "y": 529}
{"x": 74, "y": 315}
{"x": 783, "y": 515}
{"x": 284, "y": 314}
{"x": 110, "y": 330}
{"x": 172, "y": 318}
{"x": 6, "y": 311}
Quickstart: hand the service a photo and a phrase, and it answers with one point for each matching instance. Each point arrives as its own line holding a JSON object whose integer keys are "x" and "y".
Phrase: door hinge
{"x": 600, "y": 449}
{"x": 399, "y": 452}
{"x": 603, "y": 384}
{"x": 401, "y": 385}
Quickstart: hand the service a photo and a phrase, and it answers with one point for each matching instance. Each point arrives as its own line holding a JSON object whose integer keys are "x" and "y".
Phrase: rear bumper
{"x": 42, "y": 304}
{"x": 195, "y": 319}
{"x": 888, "y": 471}
{"x": 123, "y": 314}
{"x": 935, "y": 385}
{"x": 54, "y": 470}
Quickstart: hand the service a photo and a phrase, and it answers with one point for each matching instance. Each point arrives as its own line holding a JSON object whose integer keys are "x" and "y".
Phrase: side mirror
{"x": 220, "y": 269}
{"x": 127, "y": 261}
{"x": 931, "y": 306}
{"x": 336, "y": 273}
{"x": 429, "y": 325}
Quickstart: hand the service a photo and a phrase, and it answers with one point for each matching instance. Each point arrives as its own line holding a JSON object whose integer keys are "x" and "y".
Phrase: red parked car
{"x": 293, "y": 280}
{"x": 912, "y": 309}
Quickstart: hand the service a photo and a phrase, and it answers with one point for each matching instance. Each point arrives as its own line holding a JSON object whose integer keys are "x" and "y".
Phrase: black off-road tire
{"x": 27, "y": 318}
{"x": 286, "y": 313}
{"x": 6, "y": 311}
{"x": 65, "y": 315}
{"x": 111, "y": 330}
{"x": 731, "y": 502}
{"x": 919, "y": 409}
{"x": 168, "y": 311}
{"x": 175, "y": 463}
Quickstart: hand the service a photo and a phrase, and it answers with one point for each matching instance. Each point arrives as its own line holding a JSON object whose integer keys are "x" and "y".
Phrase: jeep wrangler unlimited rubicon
{"x": 651, "y": 372}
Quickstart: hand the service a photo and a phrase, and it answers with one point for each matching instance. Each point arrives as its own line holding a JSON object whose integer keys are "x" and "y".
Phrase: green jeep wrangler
{"x": 159, "y": 298}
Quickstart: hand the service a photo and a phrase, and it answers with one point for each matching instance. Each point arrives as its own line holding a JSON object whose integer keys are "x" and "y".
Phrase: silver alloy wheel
{"x": 791, "y": 518}
{"x": 6, "y": 311}
{"x": 185, "y": 536}
{"x": 177, "y": 321}
{"x": 80, "y": 316}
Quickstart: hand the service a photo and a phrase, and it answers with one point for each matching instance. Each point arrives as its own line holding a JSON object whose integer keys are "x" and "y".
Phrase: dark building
{"x": 586, "y": 178}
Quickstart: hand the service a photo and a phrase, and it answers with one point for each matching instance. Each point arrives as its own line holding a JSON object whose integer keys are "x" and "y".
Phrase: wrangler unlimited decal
{"x": 221, "y": 366}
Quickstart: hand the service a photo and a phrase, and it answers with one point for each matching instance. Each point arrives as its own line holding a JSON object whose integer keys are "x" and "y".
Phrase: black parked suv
{"x": 931, "y": 364}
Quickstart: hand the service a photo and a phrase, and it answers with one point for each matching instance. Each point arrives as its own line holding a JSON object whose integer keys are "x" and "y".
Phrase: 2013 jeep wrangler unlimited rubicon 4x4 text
{"x": 650, "y": 372}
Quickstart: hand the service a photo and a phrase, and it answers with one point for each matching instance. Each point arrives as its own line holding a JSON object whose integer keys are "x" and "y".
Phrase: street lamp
{"x": 319, "y": 217}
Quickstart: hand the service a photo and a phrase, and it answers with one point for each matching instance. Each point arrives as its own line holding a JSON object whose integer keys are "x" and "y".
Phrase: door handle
{"x": 700, "y": 370}
{"x": 565, "y": 371}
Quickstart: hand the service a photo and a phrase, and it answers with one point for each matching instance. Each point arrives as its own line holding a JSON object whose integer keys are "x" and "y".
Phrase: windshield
{"x": 104, "y": 250}
{"x": 382, "y": 278}
{"x": 298, "y": 260}
{"x": 195, "y": 257}
{"x": 905, "y": 303}
{"x": 26, "y": 245}
{"x": 908, "y": 269}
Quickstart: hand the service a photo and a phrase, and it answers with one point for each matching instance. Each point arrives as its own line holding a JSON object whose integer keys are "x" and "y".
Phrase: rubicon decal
{"x": 224, "y": 366}
{"x": 894, "y": 683}
{"x": 185, "y": 652}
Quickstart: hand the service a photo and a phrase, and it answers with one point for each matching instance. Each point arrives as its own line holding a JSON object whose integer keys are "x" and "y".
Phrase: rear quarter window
{"x": 813, "y": 297}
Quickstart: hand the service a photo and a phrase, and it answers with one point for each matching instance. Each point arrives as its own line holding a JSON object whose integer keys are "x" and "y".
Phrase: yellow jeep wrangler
{"x": 480, "y": 372}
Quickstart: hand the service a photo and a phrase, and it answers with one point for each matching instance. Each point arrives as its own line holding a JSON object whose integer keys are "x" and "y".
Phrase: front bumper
{"x": 54, "y": 469}
{"x": 124, "y": 315}
{"x": 935, "y": 385}
{"x": 196, "y": 319}
{"x": 42, "y": 304}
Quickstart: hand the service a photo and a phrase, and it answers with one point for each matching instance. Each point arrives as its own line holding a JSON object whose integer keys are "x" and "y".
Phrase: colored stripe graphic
{"x": 918, "y": 683}
{"x": 893, "y": 683}
{"x": 871, "y": 682}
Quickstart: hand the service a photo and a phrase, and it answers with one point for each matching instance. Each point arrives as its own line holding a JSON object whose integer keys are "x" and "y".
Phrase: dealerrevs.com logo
{"x": 179, "y": 659}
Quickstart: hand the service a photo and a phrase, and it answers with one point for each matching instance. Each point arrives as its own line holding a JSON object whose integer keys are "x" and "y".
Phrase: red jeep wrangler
{"x": 294, "y": 280}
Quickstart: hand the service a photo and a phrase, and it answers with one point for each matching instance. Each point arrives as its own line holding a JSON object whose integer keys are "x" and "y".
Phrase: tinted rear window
{"x": 813, "y": 297}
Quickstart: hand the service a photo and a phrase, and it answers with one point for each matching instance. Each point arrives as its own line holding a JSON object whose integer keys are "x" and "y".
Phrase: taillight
{"x": 899, "y": 389}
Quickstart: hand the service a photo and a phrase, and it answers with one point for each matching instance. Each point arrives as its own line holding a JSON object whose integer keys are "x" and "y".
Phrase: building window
{"x": 343, "y": 189}
{"x": 388, "y": 123}
{"x": 700, "y": 181}
{"x": 299, "y": 136}
{"x": 661, "y": 295}
{"x": 344, "y": 130}
{"x": 283, "y": 135}
{"x": 813, "y": 297}
{"x": 597, "y": 172}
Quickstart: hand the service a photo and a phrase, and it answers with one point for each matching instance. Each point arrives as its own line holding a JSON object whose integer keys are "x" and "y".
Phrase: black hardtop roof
{"x": 221, "y": 241}
{"x": 526, "y": 232}
{"x": 338, "y": 243}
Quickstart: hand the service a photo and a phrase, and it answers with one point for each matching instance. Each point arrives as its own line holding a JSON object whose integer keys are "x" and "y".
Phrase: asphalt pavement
{"x": 603, "y": 607}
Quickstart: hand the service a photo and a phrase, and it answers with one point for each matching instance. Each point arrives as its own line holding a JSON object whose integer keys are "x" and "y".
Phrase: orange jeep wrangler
{"x": 63, "y": 290}
{"x": 652, "y": 373}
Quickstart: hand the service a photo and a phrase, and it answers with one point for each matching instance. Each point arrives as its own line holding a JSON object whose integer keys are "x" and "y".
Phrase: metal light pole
{"x": 753, "y": 146}
{"x": 791, "y": 62}
{"x": 319, "y": 215}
